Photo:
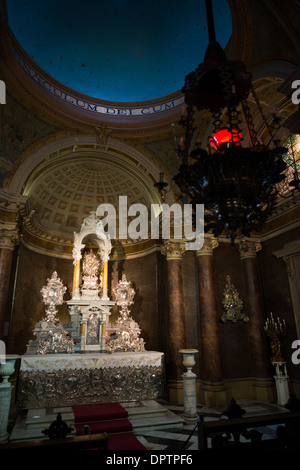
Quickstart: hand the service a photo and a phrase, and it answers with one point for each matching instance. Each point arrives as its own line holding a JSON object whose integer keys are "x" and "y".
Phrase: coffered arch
{"x": 70, "y": 176}
{"x": 56, "y": 147}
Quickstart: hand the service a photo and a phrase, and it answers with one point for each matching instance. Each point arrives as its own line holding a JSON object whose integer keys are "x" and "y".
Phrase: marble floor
{"x": 158, "y": 425}
{"x": 178, "y": 439}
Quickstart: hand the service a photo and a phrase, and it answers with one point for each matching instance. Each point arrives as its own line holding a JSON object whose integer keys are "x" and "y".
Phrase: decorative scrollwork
{"x": 51, "y": 335}
{"x": 124, "y": 293}
{"x": 232, "y": 304}
{"x": 53, "y": 292}
{"x": 66, "y": 387}
{"x": 90, "y": 271}
{"x": 126, "y": 337}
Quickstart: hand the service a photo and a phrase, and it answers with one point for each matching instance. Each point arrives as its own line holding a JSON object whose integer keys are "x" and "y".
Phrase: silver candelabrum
{"x": 126, "y": 336}
{"x": 53, "y": 338}
{"x": 53, "y": 295}
{"x": 124, "y": 295}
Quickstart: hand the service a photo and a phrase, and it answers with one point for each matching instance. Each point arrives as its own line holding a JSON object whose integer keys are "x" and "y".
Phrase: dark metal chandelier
{"x": 236, "y": 184}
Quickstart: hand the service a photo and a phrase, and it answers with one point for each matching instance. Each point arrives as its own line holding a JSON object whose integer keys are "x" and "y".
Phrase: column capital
{"x": 209, "y": 244}
{"x": 173, "y": 249}
{"x": 104, "y": 253}
{"x": 9, "y": 238}
{"x": 249, "y": 248}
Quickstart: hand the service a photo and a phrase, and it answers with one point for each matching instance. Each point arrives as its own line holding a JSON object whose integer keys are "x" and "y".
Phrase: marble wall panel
{"x": 236, "y": 359}
{"x": 277, "y": 295}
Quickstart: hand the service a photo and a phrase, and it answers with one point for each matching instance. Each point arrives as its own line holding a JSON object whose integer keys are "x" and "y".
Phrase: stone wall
{"x": 148, "y": 275}
{"x": 277, "y": 295}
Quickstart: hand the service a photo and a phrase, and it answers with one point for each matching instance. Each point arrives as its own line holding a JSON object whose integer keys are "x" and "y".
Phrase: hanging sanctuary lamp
{"x": 236, "y": 184}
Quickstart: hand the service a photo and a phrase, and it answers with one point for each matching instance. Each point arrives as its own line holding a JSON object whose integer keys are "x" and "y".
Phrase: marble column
{"x": 255, "y": 312}
{"x": 76, "y": 279}
{"x": 8, "y": 241}
{"x": 105, "y": 280}
{"x": 77, "y": 248}
{"x": 212, "y": 384}
{"x": 174, "y": 251}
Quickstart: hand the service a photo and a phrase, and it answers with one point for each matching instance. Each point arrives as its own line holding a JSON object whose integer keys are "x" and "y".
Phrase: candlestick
{"x": 275, "y": 329}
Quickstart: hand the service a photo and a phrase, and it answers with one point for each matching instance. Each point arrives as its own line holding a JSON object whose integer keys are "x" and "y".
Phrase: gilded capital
{"x": 249, "y": 248}
{"x": 209, "y": 244}
{"x": 173, "y": 249}
{"x": 8, "y": 238}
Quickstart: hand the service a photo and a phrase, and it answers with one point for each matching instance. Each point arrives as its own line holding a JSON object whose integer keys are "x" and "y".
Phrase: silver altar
{"x": 70, "y": 379}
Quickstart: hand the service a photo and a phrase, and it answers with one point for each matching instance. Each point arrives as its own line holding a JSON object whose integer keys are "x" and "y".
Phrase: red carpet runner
{"x": 111, "y": 418}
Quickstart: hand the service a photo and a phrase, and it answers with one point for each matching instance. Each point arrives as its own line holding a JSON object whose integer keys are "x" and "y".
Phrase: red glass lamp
{"x": 224, "y": 138}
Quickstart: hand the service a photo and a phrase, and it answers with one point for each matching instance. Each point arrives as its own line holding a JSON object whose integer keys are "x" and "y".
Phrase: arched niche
{"x": 91, "y": 230}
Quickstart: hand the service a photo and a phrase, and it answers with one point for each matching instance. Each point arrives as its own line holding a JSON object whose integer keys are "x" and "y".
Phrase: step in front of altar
{"x": 143, "y": 415}
{"x": 149, "y": 414}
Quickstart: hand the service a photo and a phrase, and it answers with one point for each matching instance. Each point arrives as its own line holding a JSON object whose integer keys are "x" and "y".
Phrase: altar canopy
{"x": 90, "y": 305}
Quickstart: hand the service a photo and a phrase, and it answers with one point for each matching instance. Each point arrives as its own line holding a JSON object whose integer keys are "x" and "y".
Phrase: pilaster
{"x": 9, "y": 238}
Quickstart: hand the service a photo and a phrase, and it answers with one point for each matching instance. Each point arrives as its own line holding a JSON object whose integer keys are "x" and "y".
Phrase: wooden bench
{"x": 288, "y": 435}
{"x": 93, "y": 441}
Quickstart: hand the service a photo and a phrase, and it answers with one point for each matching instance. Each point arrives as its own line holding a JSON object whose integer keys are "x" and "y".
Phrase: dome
{"x": 123, "y": 51}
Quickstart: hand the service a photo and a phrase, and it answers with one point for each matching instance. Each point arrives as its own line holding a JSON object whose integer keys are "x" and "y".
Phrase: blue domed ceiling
{"x": 117, "y": 50}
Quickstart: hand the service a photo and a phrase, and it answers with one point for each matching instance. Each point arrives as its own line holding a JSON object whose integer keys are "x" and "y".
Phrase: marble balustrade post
{"x": 212, "y": 383}
{"x": 255, "y": 312}
{"x": 189, "y": 386}
{"x": 174, "y": 251}
{"x": 7, "y": 368}
{"x": 8, "y": 241}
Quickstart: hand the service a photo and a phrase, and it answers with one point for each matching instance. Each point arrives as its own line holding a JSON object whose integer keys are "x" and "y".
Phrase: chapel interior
{"x": 91, "y": 111}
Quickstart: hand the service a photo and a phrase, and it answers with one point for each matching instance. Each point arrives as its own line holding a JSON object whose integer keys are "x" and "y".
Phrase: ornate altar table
{"x": 70, "y": 379}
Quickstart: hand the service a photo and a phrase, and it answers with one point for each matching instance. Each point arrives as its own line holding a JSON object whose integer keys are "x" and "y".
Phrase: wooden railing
{"x": 287, "y": 434}
{"x": 93, "y": 441}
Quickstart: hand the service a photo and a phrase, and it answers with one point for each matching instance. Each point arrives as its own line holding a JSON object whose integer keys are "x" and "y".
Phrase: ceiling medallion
{"x": 236, "y": 184}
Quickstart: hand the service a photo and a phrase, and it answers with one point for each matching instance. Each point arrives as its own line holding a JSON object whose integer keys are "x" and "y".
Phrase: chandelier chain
{"x": 253, "y": 136}
{"x": 270, "y": 130}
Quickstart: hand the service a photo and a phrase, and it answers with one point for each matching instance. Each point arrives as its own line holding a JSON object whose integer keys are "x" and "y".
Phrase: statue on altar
{"x": 90, "y": 274}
